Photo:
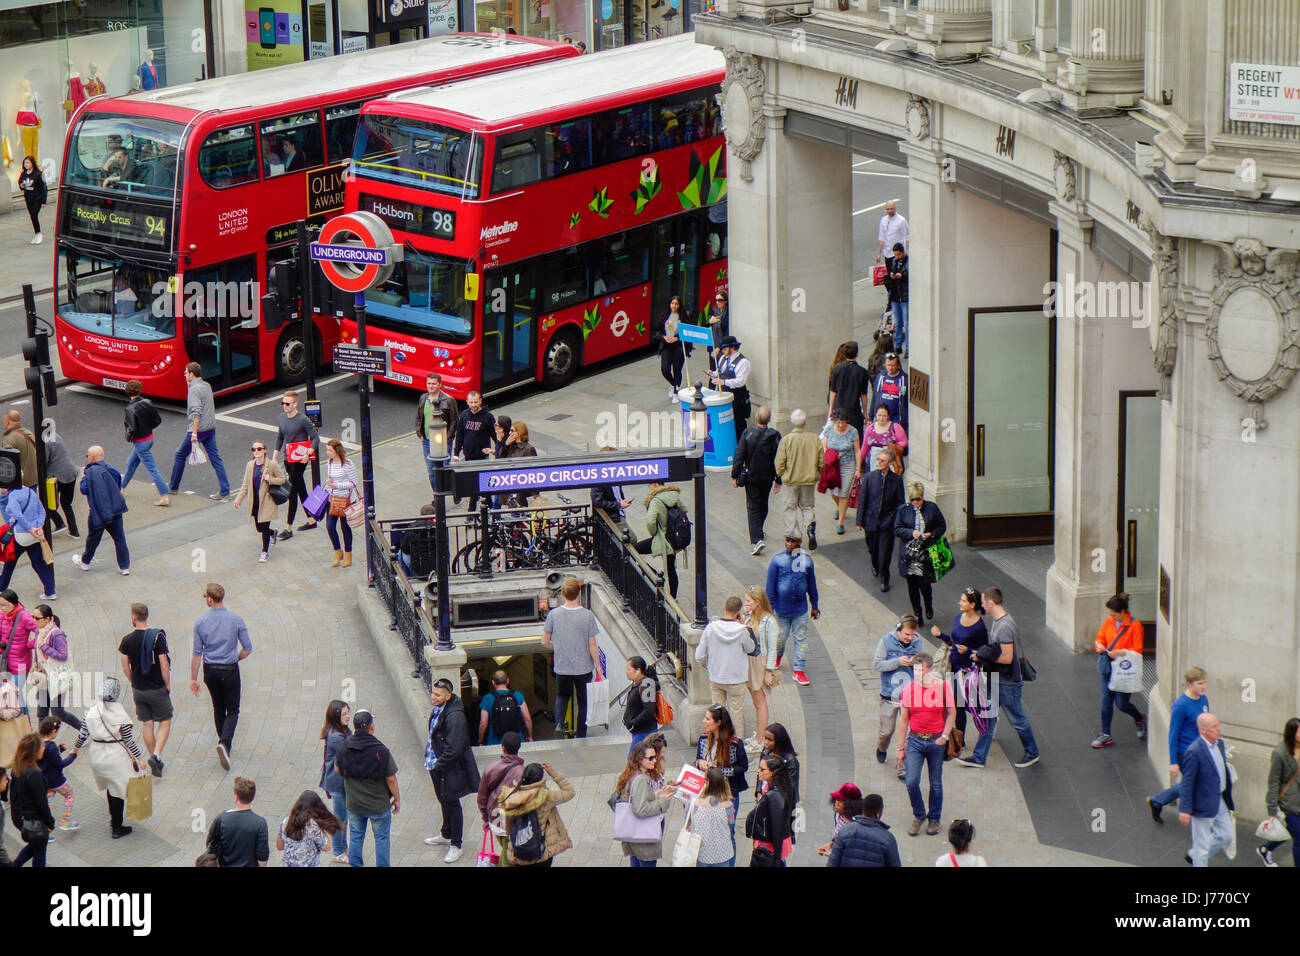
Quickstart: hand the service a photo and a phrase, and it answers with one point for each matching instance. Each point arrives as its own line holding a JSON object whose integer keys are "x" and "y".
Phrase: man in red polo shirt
{"x": 927, "y": 712}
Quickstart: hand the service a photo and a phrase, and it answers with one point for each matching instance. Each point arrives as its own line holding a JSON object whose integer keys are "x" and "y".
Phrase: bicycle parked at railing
{"x": 527, "y": 540}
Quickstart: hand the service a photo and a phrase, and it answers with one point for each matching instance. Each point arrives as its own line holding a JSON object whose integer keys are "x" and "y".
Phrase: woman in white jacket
{"x": 114, "y": 755}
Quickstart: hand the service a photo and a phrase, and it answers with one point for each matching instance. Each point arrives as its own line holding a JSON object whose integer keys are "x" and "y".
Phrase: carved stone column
{"x": 1105, "y": 66}
{"x": 950, "y": 29}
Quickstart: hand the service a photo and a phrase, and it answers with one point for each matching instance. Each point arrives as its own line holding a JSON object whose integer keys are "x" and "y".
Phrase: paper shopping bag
{"x": 139, "y": 798}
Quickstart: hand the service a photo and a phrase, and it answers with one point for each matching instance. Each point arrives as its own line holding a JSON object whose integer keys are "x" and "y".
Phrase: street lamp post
{"x": 437, "y": 434}
{"x": 699, "y": 434}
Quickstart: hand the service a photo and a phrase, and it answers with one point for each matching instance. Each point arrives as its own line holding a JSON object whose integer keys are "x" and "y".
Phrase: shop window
{"x": 291, "y": 144}
{"x": 228, "y": 157}
{"x": 340, "y": 130}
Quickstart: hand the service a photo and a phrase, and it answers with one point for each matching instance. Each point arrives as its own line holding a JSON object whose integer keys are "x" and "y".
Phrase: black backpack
{"x": 505, "y": 715}
{"x": 527, "y": 841}
{"x": 678, "y": 532}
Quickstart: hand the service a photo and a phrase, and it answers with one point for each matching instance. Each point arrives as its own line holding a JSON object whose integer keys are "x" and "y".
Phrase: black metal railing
{"x": 403, "y": 599}
{"x": 643, "y": 589}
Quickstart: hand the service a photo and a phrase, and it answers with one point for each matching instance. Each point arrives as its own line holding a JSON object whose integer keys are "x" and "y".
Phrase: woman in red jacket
{"x": 1119, "y": 633}
{"x": 17, "y": 640}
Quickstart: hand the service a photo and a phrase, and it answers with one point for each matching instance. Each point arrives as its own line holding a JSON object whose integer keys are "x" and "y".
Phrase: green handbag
{"x": 941, "y": 560}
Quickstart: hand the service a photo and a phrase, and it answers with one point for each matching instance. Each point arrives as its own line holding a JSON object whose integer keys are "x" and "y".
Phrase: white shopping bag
{"x": 197, "y": 457}
{"x": 598, "y": 704}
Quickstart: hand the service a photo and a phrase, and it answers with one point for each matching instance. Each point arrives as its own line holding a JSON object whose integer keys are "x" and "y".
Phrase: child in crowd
{"x": 52, "y": 763}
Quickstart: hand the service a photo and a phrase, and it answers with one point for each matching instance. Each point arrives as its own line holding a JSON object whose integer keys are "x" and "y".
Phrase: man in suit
{"x": 879, "y": 499}
{"x": 756, "y": 457}
{"x": 1205, "y": 794}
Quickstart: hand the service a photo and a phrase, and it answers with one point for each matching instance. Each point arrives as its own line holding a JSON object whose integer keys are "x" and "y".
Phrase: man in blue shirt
{"x": 1182, "y": 734}
{"x": 220, "y": 643}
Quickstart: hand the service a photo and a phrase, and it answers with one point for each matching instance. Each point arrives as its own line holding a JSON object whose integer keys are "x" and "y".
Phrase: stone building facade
{"x": 1104, "y": 200}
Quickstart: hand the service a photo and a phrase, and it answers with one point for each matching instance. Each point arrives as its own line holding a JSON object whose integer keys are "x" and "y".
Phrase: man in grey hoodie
{"x": 724, "y": 651}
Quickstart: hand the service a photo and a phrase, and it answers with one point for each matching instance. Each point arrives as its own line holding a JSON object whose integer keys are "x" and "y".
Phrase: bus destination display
{"x": 409, "y": 217}
{"x": 118, "y": 222}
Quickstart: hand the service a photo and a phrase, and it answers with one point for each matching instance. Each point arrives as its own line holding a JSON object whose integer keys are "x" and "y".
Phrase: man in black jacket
{"x": 453, "y": 770}
{"x": 755, "y": 458}
{"x": 879, "y": 499}
{"x": 609, "y": 499}
{"x": 141, "y": 418}
{"x": 474, "y": 432}
{"x": 434, "y": 404}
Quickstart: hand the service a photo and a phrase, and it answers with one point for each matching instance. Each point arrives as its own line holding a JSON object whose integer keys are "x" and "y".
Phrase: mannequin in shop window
{"x": 29, "y": 119}
{"x": 74, "y": 94}
{"x": 94, "y": 85}
{"x": 148, "y": 73}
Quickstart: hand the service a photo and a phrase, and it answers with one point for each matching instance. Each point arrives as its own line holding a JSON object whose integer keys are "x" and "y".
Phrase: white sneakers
{"x": 37, "y": 239}
{"x": 436, "y": 841}
{"x": 76, "y": 559}
{"x": 261, "y": 558}
{"x": 453, "y": 854}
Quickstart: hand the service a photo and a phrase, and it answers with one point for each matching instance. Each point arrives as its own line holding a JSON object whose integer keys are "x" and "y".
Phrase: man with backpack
{"x": 147, "y": 664}
{"x": 669, "y": 528}
{"x": 140, "y": 419}
{"x": 724, "y": 650}
{"x": 501, "y": 710}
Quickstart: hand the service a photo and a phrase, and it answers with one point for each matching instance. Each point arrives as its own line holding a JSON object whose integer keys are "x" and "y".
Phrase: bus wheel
{"x": 561, "y": 362}
{"x": 290, "y": 358}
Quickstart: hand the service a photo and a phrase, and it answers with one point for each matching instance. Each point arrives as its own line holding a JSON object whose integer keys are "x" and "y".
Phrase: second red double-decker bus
{"x": 174, "y": 205}
{"x": 549, "y": 216}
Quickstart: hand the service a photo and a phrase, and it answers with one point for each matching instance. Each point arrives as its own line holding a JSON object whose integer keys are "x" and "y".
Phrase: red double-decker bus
{"x": 175, "y": 203}
{"x": 592, "y": 192}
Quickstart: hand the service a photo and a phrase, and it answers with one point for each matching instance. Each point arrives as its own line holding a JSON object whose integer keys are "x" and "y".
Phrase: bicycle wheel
{"x": 565, "y": 559}
{"x": 468, "y": 559}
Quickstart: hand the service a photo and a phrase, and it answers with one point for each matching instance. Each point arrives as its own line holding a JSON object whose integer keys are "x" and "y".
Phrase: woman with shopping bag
{"x": 25, "y": 515}
{"x": 14, "y": 724}
{"x": 345, "y": 494}
{"x": 712, "y": 818}
{"x": 1119, "y": 662}
{"x": 265, "y": 486}
{"x": 115, "y": 759}
{"x": 639, "y": 808}
{"x": 55, "y": 663}
{"x": 17, "y": 643}
{"x": 1283, "y": 798}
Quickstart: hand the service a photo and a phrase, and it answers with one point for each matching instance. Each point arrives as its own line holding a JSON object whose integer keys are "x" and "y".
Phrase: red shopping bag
{"x": 878, "y": 274}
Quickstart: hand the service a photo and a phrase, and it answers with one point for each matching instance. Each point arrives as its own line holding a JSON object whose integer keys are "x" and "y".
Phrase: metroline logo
{"x": 491, "y": 232}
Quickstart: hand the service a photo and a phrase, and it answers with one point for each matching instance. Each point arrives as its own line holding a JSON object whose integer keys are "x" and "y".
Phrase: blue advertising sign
{"x": 357, "y": 255}
{"x": 541, "y": 477}
{"x": 695, "y": 334}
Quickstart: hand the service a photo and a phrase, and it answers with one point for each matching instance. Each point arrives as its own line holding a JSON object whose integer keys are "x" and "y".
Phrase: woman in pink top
{"x": 879, "y": 433}
{"x": 17, "y": 640}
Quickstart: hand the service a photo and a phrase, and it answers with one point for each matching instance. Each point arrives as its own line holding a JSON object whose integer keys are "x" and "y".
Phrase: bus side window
{"x": 227, "y": 158}
{"x": 518, "y": 160}
{"x": 340, "y": 131}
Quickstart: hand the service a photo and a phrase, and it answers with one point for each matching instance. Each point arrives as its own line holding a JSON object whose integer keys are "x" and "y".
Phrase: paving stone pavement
{"x": 310, "y": 645}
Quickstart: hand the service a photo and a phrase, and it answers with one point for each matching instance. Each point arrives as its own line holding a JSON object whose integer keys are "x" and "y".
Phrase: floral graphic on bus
{"x": 574, "y": 220}
{"x": 600, "y": 202}
{"x": 722, "y": 274}
{"x": 590, "y": 320}
{"x": 705, "y": 187}
{"x": 646, "y": 189}
{"x": 640, "y": 328}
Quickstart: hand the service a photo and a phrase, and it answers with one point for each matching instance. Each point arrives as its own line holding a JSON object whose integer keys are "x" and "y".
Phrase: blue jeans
{"x": 1293, "y": 827}
{"x": 900, "y": 324}
{"x": 1009, "y": 704}
{"x": 20, "y": 681}
{"x": 731, "y": 862}
{"x": 797, "y": 628}
{"x": 1165, "y": 797}
{"x": 428, "y": 465}
{"x": 43, "y": 570}
{"x": 115, "y": 531}
{"x": 1109, "y": 699}
{"x": 142, "y": 453}
{"x": 340, "y": 801}
{"x": 357, "y": 836}
{"x": 633, "y": 861}
{"x": 637, "y": 738}
{"x": 920, "y": 753}
{"x": 208, "y": 440}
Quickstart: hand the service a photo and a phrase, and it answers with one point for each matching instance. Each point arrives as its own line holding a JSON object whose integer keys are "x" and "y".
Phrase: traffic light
{"x": 39, "y": 374}
{"x": 11, "y": 469}
{"x": 281, "y": 304}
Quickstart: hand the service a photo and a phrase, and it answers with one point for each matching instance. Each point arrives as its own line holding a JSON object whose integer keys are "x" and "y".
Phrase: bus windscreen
{"x": 135, "y": 155}
{"x": 419, "y": 154}
{"x": 117, "y": 298}
{"x": 425, "y": 295}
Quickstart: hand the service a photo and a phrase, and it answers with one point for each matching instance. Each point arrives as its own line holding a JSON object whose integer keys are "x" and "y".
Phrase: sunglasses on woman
{"x": 259, "y": 448}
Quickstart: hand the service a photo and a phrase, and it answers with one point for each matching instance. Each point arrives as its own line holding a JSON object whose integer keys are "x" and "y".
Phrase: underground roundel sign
{"x": 356, "y": 251}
